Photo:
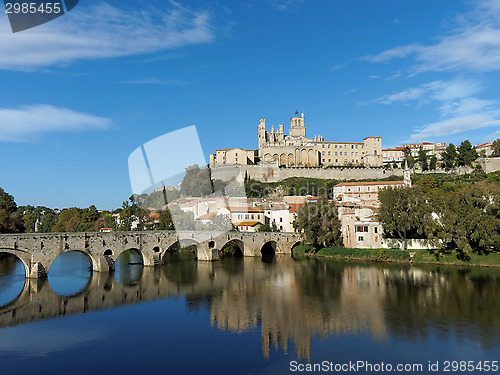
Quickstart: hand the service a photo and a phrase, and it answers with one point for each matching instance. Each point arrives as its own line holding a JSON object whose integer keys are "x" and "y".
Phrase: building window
{"x": 329, "y": 152}
{"x": 323, "y": 160}
{"x": 352, "y": 146}
{"x": 336, "y": 160}
{"x": 323, "y": 153}
{"x": 375, "y": 230}
{"x": 246, "y": 216}
{"x": 329, "y": 160}
{"x": 340, "y": 153}
{"x": 252, "y": 216}
{"x": 335, "y": 146}
{"x": 360, "y": 238}
{"x": 328, "y": 146}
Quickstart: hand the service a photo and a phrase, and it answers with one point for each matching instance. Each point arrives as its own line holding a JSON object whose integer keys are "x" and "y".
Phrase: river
{"x": 246, "y": 316}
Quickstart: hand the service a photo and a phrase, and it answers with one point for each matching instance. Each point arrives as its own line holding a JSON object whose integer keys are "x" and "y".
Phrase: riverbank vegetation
{"x": 444, "y": 257}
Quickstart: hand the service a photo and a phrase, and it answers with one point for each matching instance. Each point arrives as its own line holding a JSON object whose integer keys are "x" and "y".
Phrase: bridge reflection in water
{"x": 291, "y": 301}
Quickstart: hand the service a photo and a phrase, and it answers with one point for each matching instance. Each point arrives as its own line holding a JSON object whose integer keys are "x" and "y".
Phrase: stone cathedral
{"x": 296, "y": 150}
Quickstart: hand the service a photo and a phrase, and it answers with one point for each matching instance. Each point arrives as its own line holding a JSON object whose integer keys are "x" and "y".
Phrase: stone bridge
{"x": 38, "y": 251}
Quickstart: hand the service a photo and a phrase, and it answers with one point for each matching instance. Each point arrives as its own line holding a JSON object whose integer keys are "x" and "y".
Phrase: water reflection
{"x": 70, "y": 273}
{"x": 290, "y": 301}
{"x": 128, "y": 268}
{"x": 12, "y": 278}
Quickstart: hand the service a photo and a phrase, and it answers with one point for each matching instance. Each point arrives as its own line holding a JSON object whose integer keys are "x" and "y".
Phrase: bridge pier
{"x": 206, "y": 254}
{"x": 102, "y": 263}
{"x": 37, "y": 271}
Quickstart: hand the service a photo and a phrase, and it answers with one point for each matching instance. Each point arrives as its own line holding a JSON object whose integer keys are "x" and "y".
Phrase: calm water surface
{"x": 242, "y": 316}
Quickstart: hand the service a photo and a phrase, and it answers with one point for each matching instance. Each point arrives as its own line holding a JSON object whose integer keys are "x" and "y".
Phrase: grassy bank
{"x": 394, "y": 255}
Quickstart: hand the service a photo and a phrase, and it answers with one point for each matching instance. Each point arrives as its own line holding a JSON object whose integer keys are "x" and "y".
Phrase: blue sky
{"x": 80, "y": 93}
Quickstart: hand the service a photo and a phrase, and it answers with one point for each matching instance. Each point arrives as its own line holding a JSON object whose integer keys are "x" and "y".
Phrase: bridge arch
{"x": 233, "y": 247}
{"x": 75, "y": 268}
{"x": 11, "y": 267}
{"x": 21, "y": 255}
{"x": 129, "y": 250}
{"x": 269, "y": 248}
{"x": 91, "y": 260}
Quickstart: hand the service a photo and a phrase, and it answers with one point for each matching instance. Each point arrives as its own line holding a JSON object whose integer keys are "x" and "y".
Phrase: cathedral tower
{"x": 297, "y": 126}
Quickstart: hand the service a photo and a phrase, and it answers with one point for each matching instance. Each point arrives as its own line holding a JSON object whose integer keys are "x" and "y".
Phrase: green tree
{"x": 449, "y": 157}
{"x": 470, "y": 218}
{"x": 10, "y": 219}
{"x": 427, "y": 183}
{"x": 29, "y": 222}
{"x": 320, "y": 223}
{"x": 196, "y": 182}
{"x": 88, "y": 219}
{"x": 495, "y": 148}
{"x": 422, "y": 159}
{"x": 466, "y": 154}
{"x": 68, "y": 220}
{"x": 432, "y": 163}
{"x": 404, "y": 213}
{"x": 268, "y": 228}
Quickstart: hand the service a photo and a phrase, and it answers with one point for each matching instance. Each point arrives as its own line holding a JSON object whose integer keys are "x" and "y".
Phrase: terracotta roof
{"x": 484, "y": 144}
{"x": 206, "y": 216}
{"x": 295, "y": 206}
{"x": 370, "y": 183}
{"x": 247, "y": 223}
{"x": 245, "y": 209}
{"x": 393, "y": 149}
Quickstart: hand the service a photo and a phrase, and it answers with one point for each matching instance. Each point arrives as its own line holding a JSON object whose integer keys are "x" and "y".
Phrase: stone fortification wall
{"x": 272, "y": 173}
{"x": 490, "y": 164}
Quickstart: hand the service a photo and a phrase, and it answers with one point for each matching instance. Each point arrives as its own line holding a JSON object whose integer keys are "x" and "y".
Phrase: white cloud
{"x": 27, "y": 123}
{"x": 454, "y": 126}
{"x": 100, "y": 31}
{"x": 474, "y": 45}
{"x": 459, "y": 109}
{"x": 442, "y": 91}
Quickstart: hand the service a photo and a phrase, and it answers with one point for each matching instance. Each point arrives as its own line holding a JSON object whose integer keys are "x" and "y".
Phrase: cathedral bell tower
{"x": 262, "y": 132}
{"x": 297, "y": 126}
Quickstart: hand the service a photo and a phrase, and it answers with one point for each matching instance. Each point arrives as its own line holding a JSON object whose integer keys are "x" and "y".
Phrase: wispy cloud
{"x": 100, "y": 31}
{"x": 443, "y": 91}
{"x": 285, "y": 4}
{"x": 351, "y": 91}
{"x": 27, "y": 123}
{"x": 459, "y": 108}
{"x": 454, "y": 126}
{"x": 474, "y": 45}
